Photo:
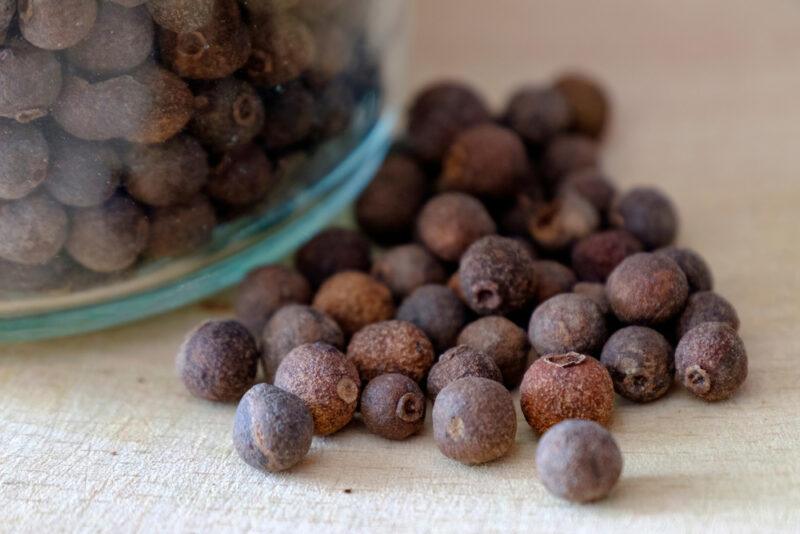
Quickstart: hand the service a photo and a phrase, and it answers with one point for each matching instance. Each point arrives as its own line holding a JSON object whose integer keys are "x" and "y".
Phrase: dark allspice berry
{"x": 437, "y": 311}
{"x": 283, "y": 49}
{"x": 648, "y": 214}
{"x": 407, "y": 267}
{"x": 227, "y": 114}
{"x": 596, "y": 256}
{"x": 267, "y": 289}
{"x": 334, "y": 108}
{"x": 711, "y": 361}
{"x": 332, "y": 251}
{"x": 506, "y": 343}
{"x": 588, "y": 103}
{"x": 474, "y": 421}
{"x": 82, "y": 173}
{"x": 568, "y": 153}
{"x": 497, "y": 276}
{"x": 640, "y": 363}
{"x": 593, "y": 185}
{"x": 273, "y": 429}
{"x": 354, "y": 300}
{"x": 538, "y": 113}
{"x": 391, "y": 347}
{"x": 450, "y": 222}
{"x": 578, "y": 461}
{"x": 558, "y": 224}
{"x": 243, "y": 177}
{"x": 24, "y": 159}
{"x": 290, "y": 116}
{"x": 182, "y": 15}
{"x": 553, "y": 278}
{"x": 566, "y": 386}
{"x": 218, "y": 361}
{"x": 327, "y": 382}
{"x": 459, "y": 362}
{"x": 568, "y": 323}
{"x": 647, "y": 289}
{"x": 697, "y": 271}
{"x": 32, "y": 229}
{"x": 30, "y": 81}
{"x": 707, "y": 307}
{"x": 56, "y": 24}
{"x": 393, "y": 406}
{"x": 180, "y": 229}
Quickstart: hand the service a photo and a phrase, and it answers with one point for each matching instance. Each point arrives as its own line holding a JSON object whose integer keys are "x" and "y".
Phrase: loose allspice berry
{"x": 325, "y": 380}
{"x": 459, "y": 362}
{"x": 332, "y": 251}
{"x": 354, "y": 300}
{"x": 437, "y": 311}
{"x": 30, "y": 81}
{"x": 640, "y": 363}
{"x": 596, "y": 256}
{"x": 450, "y": 222}
{"x": 538, "y": 113}
{"x": 24, "y": 159}
{"x": 176, "y": 230}
{"x": 406, "y": 267}
{"x": 32, "y": 229}
{"x": 218, "y": 361}
{"x": 553, "y": 278}
{"x": 697, "y": 271}
{"x": 56, "y": 24}
{"x": 474, "y": 421}
{"x": 568, "y": 323}
{"x": 273, "y": 429}
{"x": 506, "y": 343}
{"x": 647, "y": 214}
{"x": 707, "y": 307}
{"x": 711, "y": 361}
{"x": 267, "y": 289}
{"x": 578, "y": 461}
{"x": 566, "y": 386}
{"x": 393, "y": 406}
{"x": 588, "y": 103}
{"x": 391, "y": 347}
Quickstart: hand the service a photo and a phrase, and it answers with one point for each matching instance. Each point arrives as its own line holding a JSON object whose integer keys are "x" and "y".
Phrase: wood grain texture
{"x": 97, "y": 434}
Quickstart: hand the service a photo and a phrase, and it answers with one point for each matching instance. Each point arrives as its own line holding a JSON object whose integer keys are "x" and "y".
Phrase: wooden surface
{"x": 97, "y": 434}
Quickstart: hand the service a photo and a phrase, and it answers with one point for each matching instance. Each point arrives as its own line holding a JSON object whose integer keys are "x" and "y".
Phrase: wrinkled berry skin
{"x": 354, "y": 300}
{"x": 711, "y": 361}
{"x": 391, "y": 347}
{"x": 567, "y": 323}
{"x": 640, "y": 363}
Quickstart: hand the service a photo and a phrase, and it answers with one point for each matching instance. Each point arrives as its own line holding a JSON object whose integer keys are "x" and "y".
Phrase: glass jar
{"x": 154, "y": 151}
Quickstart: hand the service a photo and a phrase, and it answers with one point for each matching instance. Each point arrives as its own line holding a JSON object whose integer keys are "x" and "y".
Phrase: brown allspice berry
{"x": 283, "y": 49}
{"x": 56, "y": 24}
{"x": 459, "y": 362}
{"x": 294, "y": 325}
{"x": 24, "y": 159}
{"x": 218, "y": 361}
{"x": 32, "y": 229}
{"x": 537, "y": 113}
{"x": 267, "y": 289}
{"x": 437, "y": 311}
{"x": 180, "y": 229}
{"x": 561, "y": 222}
{"x": 332, "y": 251}
{"x": 182, "y": 15}
{"x": 354, "y": 300}
{"x": 485, "y": 160}
{"x": 169, "y": 105}
{"x": 593, "y": 185}
{"x": 325, "y": 380}
{"x": 82, "y": 173}
{"x": 553, "y": 278}
{"x": 647, "y": 289}
{"x": 568, "y": 323}
{"x": 588, "y": 102}
{"x": 566, "y": 386}
{"x": 568, "y": 153}
{"x": 594, "y": 257}
{"x": 273, "y": 429}
{"x": 109, "y": 237}
{"x": 289, "y": 116}
{"x": 406, "y": 267}
{"x": 387, "y": 208}
{"x": 707, "y": 307}
{"x": 595, "y": 291}
{"x": 640, "y": 362}
{"x": 497, "y": 276}
{"x": 648, "y": 214}
{"x": 30, "y": 81}
{"x": 578, "y": 461}
{"x": 506, "y": 343}
{"x": 450, "y": 222}
{"x": 454, "y": 285}
{"x": 474, "y": 421}
{"x": 697, "y": 271}
{"x": 438, "y": 113}
{"x": 711, "y": 361}
{"x": 227, "y": 114}
{"x": 244, "y": 176}
{"x": 391, "y": 347}
{"x": 393, "y": 406}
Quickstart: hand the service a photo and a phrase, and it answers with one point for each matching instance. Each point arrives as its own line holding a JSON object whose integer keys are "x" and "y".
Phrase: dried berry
{"x": 459, "y": 362}
{"x": 697, "y": 271}
{"x": 552, "y": 278}
{"x": 7, "y": 10}
{"x": 711, "y": 361}
{"x": 354, "y": 300}
{"x": 180, "y": 229}
{"x": 485, "y": 160}
{"x": 568, "y": 153}
{"x": 578, "y": 461}
{"x": 537, "y": 114}
{"x": 120, "y": 40}
{"x": 30, "y": 81}
{"x": 388, "y": 206}
{"x": 506, "y": 343}
{"x": 449, "y": 223}
{"x": 707, "y": 307}
{"x": 596, "y": 256}
{"x": 110, "y": 237}
{"x": 32, "y": 229}
{"x": 566, "y": 386}
{"x": 640, "y": 363}
{"x": 243, "y": 177}
{"x": 568, "y": 323}
{"x": 273, "y": 429}
{"x": 474, "y": 421}
{"x": 294, "y": 325}
{"x": 391, "y": 347}
{"x": 437, "y": 311}
{"x": 82, "y": 174}
{"x": 588, "y": 103}
{"x": 283, "y": 49}
{"x": 182, "y": 15}
{"x": 592, "y": 185}
{"x": 228, "y": 114}
{"x": 218, "y": 361}
{"x": 393, "y": 406}
{"x": 332, "y": 251}
{"x": 647, "y": 289}
{"x": 437, "y": 115}
{"x": 648, "y": 214}
{"x": 325, "y": 380}
{"x": 266, "y": 290}
{"x": 596, "y": 292}
{"x": 290, "y": 116}
{"x": 56, "y": 24}
{"x": 24, "y": 158}
{"x": 562, "y": 222}
{"x": 497, "y": 276}
{"x": 169, "y": 106}
{"x": 407, "y": 267}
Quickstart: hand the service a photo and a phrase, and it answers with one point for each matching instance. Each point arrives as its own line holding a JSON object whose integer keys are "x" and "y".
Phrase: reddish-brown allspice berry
{"x": 267, "y": 289}
{"x": 504, "y": 341}
{"x": 568, "y": 323}
{"x": 450, "y": 222}
{"x": 406, "y": 267}
{"x": 640, "y": 363}
{"x": 697, "y": 271}
{"x": 437, "y": 311}
{"x": 459, "y": 362}
{"x": 393, "y": 406}
{"x": 588, "y": 102}
{"x": 553, "y": 279}
{"x": 391, "y": 347}
{"x": 596, "y": 256}
{"x": 647, "y": 214}
{"x": 332, "y": 251}
{"x": 711, "y": 361}
{"x": 707, "y": 307}
{"x": 354, "y": 300}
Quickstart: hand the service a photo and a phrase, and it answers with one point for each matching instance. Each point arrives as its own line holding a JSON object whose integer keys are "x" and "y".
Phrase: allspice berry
{"x": 697, "y": 271}
{"x": 568, "y": 153}
{"x": 578, "y": 461}
{"x": 437, "y": 311}
{"x": 24, "y": 159}
{"x": 474, "y": 421}
{"x": 273, "y": 429}
{"x": 538, "y": 113}
{"x": 179, "y": 229}
{"x": 243, "y": 177}
{"x": 450, "y": 222}
{"x": 707, "y": 307}
{"x": 267, "y": 289}
{"x": 711, "y": 361}
{"x": 647, "y": 214}
{"x": 593, "y": 185}
{"x": 558, "y": 224}
{"x": 167, "y": 109}
{"x": 82, "y": 174}
{"x": 647, "y": 289}
{"x": 406, "y": 267}
{"x": 640, "y": 363}
{"x": 393, "y": 406}
{"x": 595, "y": 291}
{"x": 56, "y": 24}
{"x": 325, "y": 380}
{"x": 218, "y": 361}
{"x": 290, "y": 116}
{"x": 588, "y": 103}
{"x": 283, "y": 49}
{"x": 497, "y": 276}
{"x": 566, "y": 386}
{"x": 459, "y": 362}
{"x": 182, "y": 15}
{"x": 391, "y": 347}
{"x": 553, "y": 278}
{"x": 354, "y": 300}
{"x": 506, "y": 343}
{"x": 332, "y": 251}
{"x": 227, "y": 114}
{"x": 32, "y": 229}
{"x": 596, "y": 256}
{"x": 30, "y": 81}
{"x": 568, "y": 323}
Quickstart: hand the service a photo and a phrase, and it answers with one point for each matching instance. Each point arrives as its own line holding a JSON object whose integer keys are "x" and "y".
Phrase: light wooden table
{"x": 97, "y": 434}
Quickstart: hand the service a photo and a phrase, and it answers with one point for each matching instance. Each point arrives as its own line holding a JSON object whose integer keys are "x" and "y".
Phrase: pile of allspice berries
{"x": 508, "y": 259}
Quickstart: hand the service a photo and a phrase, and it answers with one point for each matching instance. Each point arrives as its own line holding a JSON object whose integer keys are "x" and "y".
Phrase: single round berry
{"x": 506, "y": 343}
{"x": 647, "y": 214}
{"x": 437, "y": 311}
{"x": 450, "y": 222}
{"x": 266, "y": 290}
{"x": 640, "y": 362}
{"x": 460, "y": 362}
{"x": 596, "y": 256}
{"x": 391, "y": 347}
{"x": 707, "y": 307}
{"x": 393, "y": 406}
{"x": 697, "y": 271}
{"x": 332, "y": 251}
{"x": 407, "y": 267}
{"x": 711, "y": 361}
{"x": 568, "y": 323}
{"x": 354, "y": 300}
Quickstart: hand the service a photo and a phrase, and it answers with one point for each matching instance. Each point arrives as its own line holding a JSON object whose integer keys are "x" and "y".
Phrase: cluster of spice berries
{"x": 129, "y": 129}
{"x": 508, "y": 259}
